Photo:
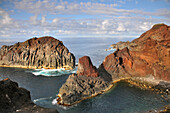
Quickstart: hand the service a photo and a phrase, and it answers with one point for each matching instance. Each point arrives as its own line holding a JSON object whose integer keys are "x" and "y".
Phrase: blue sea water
{"x": 44, "y": 84}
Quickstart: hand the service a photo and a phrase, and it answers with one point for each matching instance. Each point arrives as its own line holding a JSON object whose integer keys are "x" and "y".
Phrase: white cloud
{"x": 55, "y": 7}
{"x": 43, "y": 20}
{"x": 120, "y": 27}
{"x": 55, "y": 20}
{"x": 145, "y": 26}
{"x": 33, "y": 20}
{"x": 5, "y": 17}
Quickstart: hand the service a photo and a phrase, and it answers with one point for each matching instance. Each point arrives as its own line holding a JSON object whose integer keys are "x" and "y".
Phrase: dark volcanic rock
{"x": 14, "y": 99}
{"x": 86, "y": 83}
{"x": 148, "y": 55}
{"x": 78, "y": 88}
{"x": 46, "y": 52}
{"x": 85, "y": 67}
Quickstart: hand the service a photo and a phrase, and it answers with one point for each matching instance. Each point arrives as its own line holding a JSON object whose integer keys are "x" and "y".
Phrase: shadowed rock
{"x": 15, "y": 99}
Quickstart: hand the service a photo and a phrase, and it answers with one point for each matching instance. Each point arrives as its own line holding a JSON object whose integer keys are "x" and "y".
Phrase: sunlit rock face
{"x": 46, "y": 52}
{"x": 85, "y": 67}
{"x": 148, "y": 55}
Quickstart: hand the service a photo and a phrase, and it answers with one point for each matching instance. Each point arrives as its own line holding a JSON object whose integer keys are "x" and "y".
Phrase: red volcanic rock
{"x": 85, "y": 67}
{"x": 148, "y": 55}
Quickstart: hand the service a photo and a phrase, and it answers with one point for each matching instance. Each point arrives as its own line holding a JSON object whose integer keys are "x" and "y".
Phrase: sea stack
{"x": 85, "y": 67}
{"x": 86, "y": 83}
{"x": 43, "y": 52}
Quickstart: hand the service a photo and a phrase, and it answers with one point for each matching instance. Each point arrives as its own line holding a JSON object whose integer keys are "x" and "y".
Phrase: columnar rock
{"x": 86, "y": 83}
{"x": 46, "y": 52}
{"x": 15, "y": 99}
{"x": 146, "y": 56}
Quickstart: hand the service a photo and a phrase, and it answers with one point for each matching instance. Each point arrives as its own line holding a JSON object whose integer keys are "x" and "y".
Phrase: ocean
{"x": 44, "y": 84}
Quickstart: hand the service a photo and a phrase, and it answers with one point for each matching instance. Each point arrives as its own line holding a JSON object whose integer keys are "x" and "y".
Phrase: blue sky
{"x": 24, "y": 19}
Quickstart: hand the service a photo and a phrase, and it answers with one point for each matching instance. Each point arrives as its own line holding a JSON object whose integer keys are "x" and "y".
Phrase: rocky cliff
{"x": 85, "y": 67}
{"x": 147, "y": 56}
{"x": 43, "y": 52}
{"x": 86, "y": 83}
{"x": 144, "y": 62}
{"x": 15, "y": 99}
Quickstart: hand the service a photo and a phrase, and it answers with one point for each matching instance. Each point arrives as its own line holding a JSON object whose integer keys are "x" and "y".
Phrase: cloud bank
{"x": 28, "y": 18}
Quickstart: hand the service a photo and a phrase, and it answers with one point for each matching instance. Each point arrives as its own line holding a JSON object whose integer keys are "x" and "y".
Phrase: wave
{"x": 45, "y": 102}
{"x": 51, "y": 72}
{"x": 110, "y": 49}
{"x": 51, "y": 102}
{"x": 40, "y": 99}
{"x": 54, "y": 102}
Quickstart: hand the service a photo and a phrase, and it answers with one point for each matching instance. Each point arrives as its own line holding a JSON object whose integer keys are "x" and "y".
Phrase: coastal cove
{"x": 84, "y": 56}
{"x": 121, "y": 98}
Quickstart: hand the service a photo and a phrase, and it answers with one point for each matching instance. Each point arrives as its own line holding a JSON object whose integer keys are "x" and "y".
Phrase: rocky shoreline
{"x": 144, "y": 62}
{"x": 14, "y": 99}
{"x": 72, "y": 98}
{"x": 80, "y": 94}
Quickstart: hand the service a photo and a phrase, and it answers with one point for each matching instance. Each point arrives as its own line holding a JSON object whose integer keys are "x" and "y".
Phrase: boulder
{"x": 43, "y": 52}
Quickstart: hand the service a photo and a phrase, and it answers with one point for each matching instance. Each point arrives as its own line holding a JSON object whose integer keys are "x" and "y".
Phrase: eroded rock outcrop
{"x": 85, "y": 67}
{"x": 86, "y": 83}
{"x": 148, "y": 55}
{"x": 46, "y": 52}
{"x": 15, "y": 99}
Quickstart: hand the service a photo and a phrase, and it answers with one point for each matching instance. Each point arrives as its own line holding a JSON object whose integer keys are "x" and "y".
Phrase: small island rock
{"x": 43, "y": 52}
{"x": 85, "y": 84}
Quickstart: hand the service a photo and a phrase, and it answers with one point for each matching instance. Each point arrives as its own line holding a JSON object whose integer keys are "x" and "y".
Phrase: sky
{"x": 24, "y": 19}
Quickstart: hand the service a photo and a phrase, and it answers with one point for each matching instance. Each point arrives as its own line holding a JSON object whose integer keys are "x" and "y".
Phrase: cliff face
{"x": 85, "y": 67}
{"x": 46, "y": 52}
{"x": 148, "y": 55}
{"x": 15, "y": 99}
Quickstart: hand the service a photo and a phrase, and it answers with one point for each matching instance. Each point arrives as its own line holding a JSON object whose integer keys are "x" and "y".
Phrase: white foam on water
{"x": 51, "y": 72}
{"x": 54, "y": 102}
{"x": 40, "y": 99}
{"x": 111, "y": 49}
